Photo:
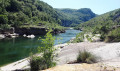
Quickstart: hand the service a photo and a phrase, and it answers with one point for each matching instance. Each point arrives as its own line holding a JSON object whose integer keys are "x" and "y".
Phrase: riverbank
{"x": 108, "y": 54}
{"x": 108, "y": 57}
{"x": 82, "y": 67}
{"x": 24, "y": 63}
{"x": 37, "y": 30}
{"x": 14, "y": 49}
{"x": 31, "y": 30}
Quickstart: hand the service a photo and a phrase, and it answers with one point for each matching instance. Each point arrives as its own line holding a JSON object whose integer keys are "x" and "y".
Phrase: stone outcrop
{"x": 10, "y": 33}
{"x": 35, "y": 31}
{"x": 83, "y": 67}
{"x": 2, "y": 36}
{"x": 31, "y": 30}
{"x": 6, "y": 31}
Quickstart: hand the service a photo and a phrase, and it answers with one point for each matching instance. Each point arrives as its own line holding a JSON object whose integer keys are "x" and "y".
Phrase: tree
{"x": 14, "y": 6}
{"x": 3, "y": 5}
{"x": 46, "y": 60}
{"x": 3, "y": 19}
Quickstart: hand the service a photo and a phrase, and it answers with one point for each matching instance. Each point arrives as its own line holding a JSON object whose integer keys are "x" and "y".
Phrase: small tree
{"x": 46, "y": 60}
{"x": 48, "y": 49}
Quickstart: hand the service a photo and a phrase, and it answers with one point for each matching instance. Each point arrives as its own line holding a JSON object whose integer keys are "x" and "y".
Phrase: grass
{"x": 86, "y": 57}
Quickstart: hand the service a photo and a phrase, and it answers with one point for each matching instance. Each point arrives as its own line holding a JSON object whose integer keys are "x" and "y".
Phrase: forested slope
{"x": 108, "y": 25}
{"x": 19, "y": 13}
{"x": 73, "y": 17}
{"x": 109, "y": 19}
{"x": 16, "y": 13}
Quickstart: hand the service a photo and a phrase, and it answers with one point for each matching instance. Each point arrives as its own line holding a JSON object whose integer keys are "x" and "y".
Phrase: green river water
{"x": 18, "y": 48}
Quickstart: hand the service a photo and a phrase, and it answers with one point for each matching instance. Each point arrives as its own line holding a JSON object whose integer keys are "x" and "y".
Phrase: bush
{"x": 102, "y": 30}
{"x": 89, "y": 39}
{"x": 113, "y": 36}
{"x": 79, "y": 38}
{"x": 86, "y": 57}
{"x": 37, "y": 63}
{"x": 5, "y": 26}
{"x": 40, "y": 63}
{"x": 46, "y": 60}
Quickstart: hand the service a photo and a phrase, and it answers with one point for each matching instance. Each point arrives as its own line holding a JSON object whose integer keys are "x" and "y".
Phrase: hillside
{"x": 19, "y": 13}
{"x": 72, "y": 17}
{"x": 107, "y": 25}
{"x": 109, "y": 19}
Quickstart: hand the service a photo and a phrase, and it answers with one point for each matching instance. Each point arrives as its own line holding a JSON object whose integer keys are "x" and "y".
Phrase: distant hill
{"x": 109, "y": 19}
{"x": 72, "y": 17}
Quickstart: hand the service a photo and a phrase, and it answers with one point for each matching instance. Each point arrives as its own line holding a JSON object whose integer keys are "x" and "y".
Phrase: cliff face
{"x": 6, "y": 31}
{"x": 36, "y": 31}
{"x": 29, "y": 31}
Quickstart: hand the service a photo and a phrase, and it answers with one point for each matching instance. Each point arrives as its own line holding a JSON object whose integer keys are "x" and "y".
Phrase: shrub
{"x": 86, "y": 57}
{"x": 37, "y": 63}
{"x": 79, "y": 38}
{"x": 46, "y": 60}
{"x": 89, "y": 39}
{"x": 5, "y": 26}
{"x": 102, "y": 30}
{"x": 113, "y": 36}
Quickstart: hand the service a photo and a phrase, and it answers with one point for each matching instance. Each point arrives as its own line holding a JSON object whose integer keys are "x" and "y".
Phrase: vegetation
{"x": 46, "y": 60}
{"x": 113, "y": 36}
{"x": 73, "y": 17}
{"x": 88, "y": 38}
{"x": 104, "y": 25}
{"x": 109, "y": 19}
{"x": 79, "y": 38}
{"x": 17, "y": 13}
{"x": 86, "y": 57}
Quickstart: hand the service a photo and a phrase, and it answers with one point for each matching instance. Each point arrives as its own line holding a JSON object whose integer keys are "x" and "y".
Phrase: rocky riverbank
{"x": 10, "y": 33}
{"x": 108, "y": 57}
{"x": 24, "y": 63}
{"x": 108, "y": 54}
{"x": 36, "y": 31}
{"x": 83, "y": 67}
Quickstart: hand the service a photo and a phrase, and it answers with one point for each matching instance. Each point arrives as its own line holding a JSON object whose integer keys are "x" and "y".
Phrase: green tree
{"x": 46, "y": 60}
{"x": 14, "y": 6}
{"x": 3, "y": 5}
{"x": 3, "y": 19}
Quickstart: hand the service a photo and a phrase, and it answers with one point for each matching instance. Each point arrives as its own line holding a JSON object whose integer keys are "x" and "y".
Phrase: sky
{"x": 97, "y": 6}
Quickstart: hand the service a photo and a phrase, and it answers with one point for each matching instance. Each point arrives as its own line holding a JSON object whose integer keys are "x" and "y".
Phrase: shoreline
{"x": 24, "y": 63}
{"x": 18, "y": 62}
{"x": 68, "y": 52}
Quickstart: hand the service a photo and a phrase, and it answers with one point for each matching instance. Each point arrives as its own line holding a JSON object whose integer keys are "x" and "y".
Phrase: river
{"x": 18, "y": 48}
